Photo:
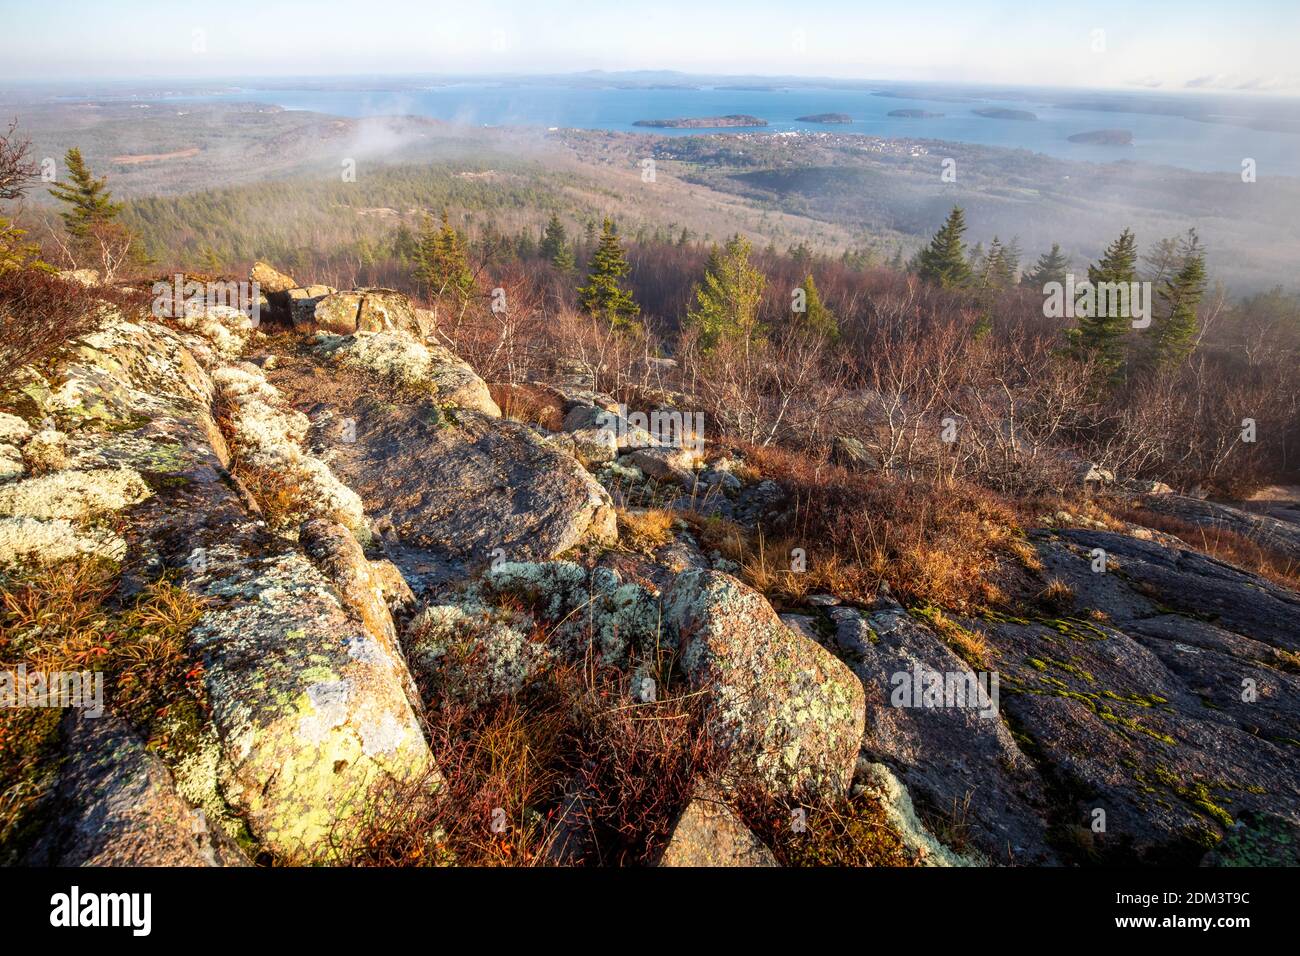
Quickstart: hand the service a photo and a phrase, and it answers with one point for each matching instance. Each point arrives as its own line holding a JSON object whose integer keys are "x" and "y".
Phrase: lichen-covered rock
{"x": 269, "y": 279}
{"x": 788, "y": 712}
{"x": 448, "y": 494}
{"x": 367, "y": 310}
{"x": 300, "y": 304}
{"x": 588, "y": 612}
{"x": 13, "y": 430}
{"x": 666, "y": 464}
{"x": 709, "y": 833}
{"x": 983, "y": 769}
{"x": 920, "y": 842}
{"x": 31, "y": 542}
{"x": 11, "y": 463}
{"x": 267, "y": 435}
{"x": 475, "y": 654}
{"x": 225, "y": 327}
{"x": 399, "y": 359}
{"x": 310, "y": 710}
{"x": 74, "y": 495}
{"x": 337, "y": 554}
{"x": 594, "y": 446}
{"x": 46, "y": 451}
{"x": 116, "y": 805}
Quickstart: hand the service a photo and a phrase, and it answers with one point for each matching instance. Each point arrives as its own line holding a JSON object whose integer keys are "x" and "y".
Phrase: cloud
{"x": 1234, "y": 81}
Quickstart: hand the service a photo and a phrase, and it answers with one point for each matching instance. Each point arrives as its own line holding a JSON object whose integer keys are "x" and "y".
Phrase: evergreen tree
{"x": 1051, "y": 267}
{"x": 443, "y": 264}
{"x": 89, "y": 202}
{"x": 555, "y": 245}
{"x": 604, "y": 293}
{"x": 1011, "y": 256}
{"x": 944, "y": 260}
{"x": 1102, "y": 333}
{"x": 728, "y": 298}
{"x": 15, "y": 253}
{"x": 816, "y": 316}
{"x": 1173, "y": 332}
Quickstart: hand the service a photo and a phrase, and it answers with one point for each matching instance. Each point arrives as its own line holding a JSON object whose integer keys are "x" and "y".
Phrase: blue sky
{"x": 1158, "y": 44}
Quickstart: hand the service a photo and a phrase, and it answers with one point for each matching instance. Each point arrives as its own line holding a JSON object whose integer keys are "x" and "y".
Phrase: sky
{"x": 1138, "y": 44}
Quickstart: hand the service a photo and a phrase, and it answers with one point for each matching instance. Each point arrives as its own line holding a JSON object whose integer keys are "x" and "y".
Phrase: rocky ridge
{"x": 355, "y": 513}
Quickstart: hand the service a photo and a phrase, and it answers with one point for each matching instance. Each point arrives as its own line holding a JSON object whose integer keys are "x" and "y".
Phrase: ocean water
{"x": 1161, "y": 139}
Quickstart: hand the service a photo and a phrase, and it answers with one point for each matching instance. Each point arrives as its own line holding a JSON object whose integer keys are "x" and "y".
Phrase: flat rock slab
{"x": 954, "y": 760}
{"x": 448, "y": 491}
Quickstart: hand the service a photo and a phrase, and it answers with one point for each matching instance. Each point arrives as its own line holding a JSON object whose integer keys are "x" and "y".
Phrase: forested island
{"x": 703, "y": 122}
{"x": 825, "y": 118}
{"x": 997, "y": 112}
{"x": 1104, "y": 137}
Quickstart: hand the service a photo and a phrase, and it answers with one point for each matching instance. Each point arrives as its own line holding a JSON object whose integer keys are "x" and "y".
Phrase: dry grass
{"x": 969, "y": 645}
{"x": 1057, "y": 597}
{"x": 933, "y": 544}
{"x": 848, "y": 831}
{"x": 1219, "y": 543}
{"x": 647, "y": 529}
{"x": 576, "y": 760}
{"x": 68, "y": 618}
{"x": 528, "y": 403}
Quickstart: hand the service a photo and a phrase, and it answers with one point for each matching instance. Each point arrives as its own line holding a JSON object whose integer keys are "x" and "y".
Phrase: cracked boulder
{"x": 789, "y": 714}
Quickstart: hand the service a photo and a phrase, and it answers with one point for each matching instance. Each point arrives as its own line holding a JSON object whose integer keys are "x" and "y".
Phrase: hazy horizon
{"x": 1164, "y": 46}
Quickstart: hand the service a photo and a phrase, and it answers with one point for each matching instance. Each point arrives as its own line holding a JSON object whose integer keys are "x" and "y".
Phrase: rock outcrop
{"x": 787, "y": 711}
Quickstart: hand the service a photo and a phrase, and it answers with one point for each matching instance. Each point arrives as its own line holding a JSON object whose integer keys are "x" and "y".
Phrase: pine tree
{"x": 1051, "y": 267}
{"x": 1174, "y": 331}
{"x": 816, "y": 316}
{"x": 944, "y": 260}
{"x": 1102, "y": 333}
{"x": 604, "y": 294}
{"x": 728, "y": 298}
{"x": 89, "y": 202}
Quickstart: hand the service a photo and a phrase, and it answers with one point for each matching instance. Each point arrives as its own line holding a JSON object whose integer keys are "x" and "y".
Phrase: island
{"x": 915, "y": 114}
{"x": 825, "y": 118}
{"x": 703, "y": 122}
{"x": 1104, "y": 137}
{"x": 996, "y": 112}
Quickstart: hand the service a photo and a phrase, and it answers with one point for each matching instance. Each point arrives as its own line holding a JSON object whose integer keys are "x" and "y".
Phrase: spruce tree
{"x": 1174, "y": 330}
{"x": 555, "y": 245}
{"x": 1051, "y": 267}
{"x": 89, "y": 202}
{"x": 1102, "y": 333}
{"x": 728, "y": 298}
{"x": 604, "y": 294}
{"x": 944, "y": 260}
{"x": 443, "y": 264}
{"x": 816, "y": 316}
